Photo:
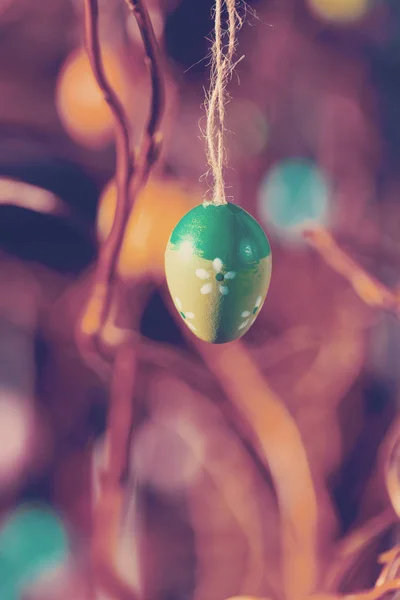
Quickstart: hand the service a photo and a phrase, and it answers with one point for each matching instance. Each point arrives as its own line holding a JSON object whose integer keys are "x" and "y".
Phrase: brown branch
{"x": 151, "y": 144}
{"x": 101, "y": 298}
{"x": 367, "y": 287}
{"x": 108, "y": 511}
{"x": 98, "y": 312}
{"x": 98, "y": 308}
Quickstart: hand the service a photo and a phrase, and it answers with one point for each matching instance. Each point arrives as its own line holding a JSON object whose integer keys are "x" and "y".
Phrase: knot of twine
{"x": 222, "y": 67}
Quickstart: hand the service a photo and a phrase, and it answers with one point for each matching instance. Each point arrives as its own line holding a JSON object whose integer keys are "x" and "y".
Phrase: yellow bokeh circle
{"x": 158, "y": 208}
{"x": 82, "y": 109}
{"x": 340, "y": 11}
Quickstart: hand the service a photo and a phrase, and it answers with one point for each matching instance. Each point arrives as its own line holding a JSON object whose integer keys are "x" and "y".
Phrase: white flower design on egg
{"x": 221, "y": 276}
{"x": 250, "y": 316}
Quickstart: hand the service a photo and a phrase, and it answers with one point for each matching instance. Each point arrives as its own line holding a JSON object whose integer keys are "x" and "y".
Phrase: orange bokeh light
{"x": 158, "y": 208}
{"x": 80, "y": 103}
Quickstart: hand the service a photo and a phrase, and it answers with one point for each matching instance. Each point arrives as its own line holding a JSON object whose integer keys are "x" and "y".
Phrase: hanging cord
{"x": 221, "y": 69}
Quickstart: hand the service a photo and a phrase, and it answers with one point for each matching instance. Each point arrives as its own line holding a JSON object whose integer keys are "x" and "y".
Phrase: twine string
{"x": 222, "y": 66}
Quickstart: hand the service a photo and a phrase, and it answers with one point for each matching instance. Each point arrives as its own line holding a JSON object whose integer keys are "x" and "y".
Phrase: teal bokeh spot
{"x": 33, "y": 539}
{"x": 294, "y": 193}
{"x": 227, "y": 232}
{"x": 9, "y": 589}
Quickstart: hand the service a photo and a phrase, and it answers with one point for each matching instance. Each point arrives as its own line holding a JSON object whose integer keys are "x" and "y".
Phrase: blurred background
{"x": 313, "y": 138}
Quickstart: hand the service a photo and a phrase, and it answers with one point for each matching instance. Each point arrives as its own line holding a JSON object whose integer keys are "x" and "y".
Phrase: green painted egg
{"x": 218, "y": 268}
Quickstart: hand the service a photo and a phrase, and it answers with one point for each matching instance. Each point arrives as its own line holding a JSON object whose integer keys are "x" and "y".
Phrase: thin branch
{"x": 373, "y": 594}
{"x": 391, "y": 562}
{"x": 152, "y": 139}
{"x": 278, "y": 438}
{"x": 109, "y": 507}
{"x": 390, "y": 460}
{"x": 105, "y": 287}
{"x": 369, "y": 289}
{"x": 101, "y": 298}
{"x": 98, "y": 307}
{"x": 376, "y": 592}
{"x": 353, "y": 545}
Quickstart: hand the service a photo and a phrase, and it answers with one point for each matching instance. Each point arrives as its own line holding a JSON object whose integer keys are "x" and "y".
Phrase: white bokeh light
{"x": 16, "y": 434}
{"x": 168, "y": 453}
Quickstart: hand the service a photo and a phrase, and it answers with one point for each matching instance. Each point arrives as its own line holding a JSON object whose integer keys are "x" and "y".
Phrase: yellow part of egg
{"x": 158, "y": 208}
{"x": 80, "y": 103}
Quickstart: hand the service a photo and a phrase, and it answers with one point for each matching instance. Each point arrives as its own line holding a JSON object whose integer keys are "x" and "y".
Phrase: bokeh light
{"x": 340, "y": 11}
{"x": 34, "y": 540}
{"x": 17, "y": 426}
{"x": 168, "y": 452}
{"x": 64, "y": 582}
{"x": 247, "y": 128}
{"x": 158, "y": 208}
{"x": 8, "y": 579}
{"x": 294, "y": 194}
{"x": 25, "y": 195}
{"x": 80, "y": 103}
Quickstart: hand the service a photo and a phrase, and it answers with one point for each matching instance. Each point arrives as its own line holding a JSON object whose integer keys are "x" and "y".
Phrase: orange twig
{"x": 376, "y": 592}
{"x": 353, "y": 545}
{"x": 281, "y": 447}
{"x": 369, "y": 289}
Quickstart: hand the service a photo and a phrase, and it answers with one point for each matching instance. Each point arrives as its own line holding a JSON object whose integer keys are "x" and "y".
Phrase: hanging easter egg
{"x": 81, "y": 106}
{"x": 157, "y": 208}
{"x": 218, "y": 268}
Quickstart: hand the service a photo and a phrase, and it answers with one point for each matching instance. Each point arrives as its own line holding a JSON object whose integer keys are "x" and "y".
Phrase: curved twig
{"x": 391, "y": 465}
{"x": 99, "y": 304}
{"x": 353, "y": 545}
{"x": 151, "y": 144}
{"x": 367, "y": 287}
{"x": 105, "y": 288}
